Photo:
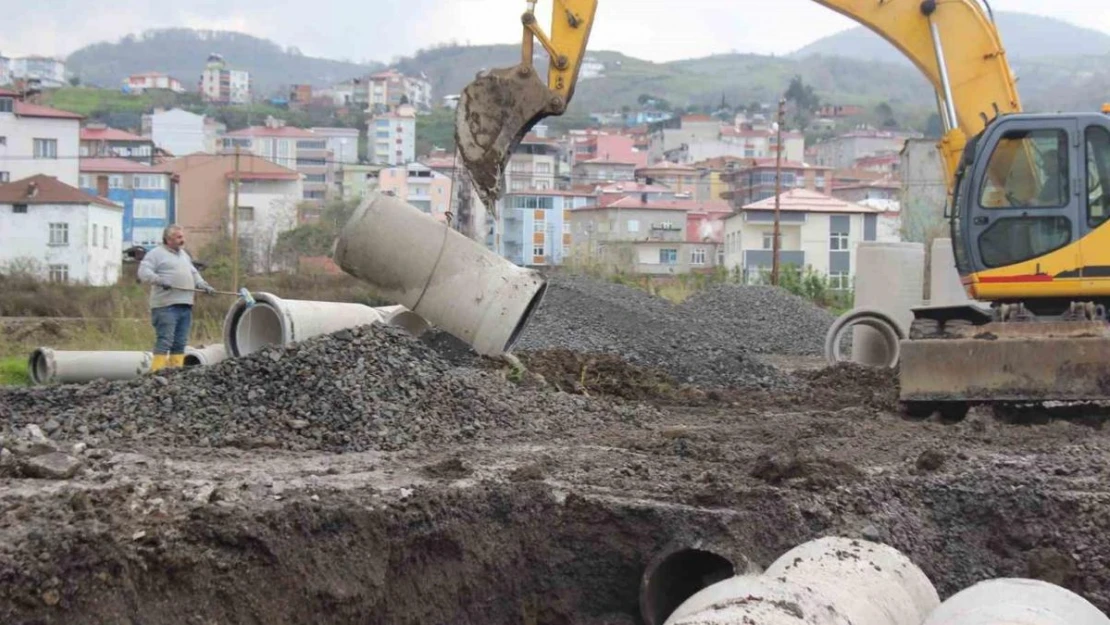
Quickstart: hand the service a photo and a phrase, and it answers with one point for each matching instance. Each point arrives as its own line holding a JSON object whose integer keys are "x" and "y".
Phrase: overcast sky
{"x": 382, "y": 29}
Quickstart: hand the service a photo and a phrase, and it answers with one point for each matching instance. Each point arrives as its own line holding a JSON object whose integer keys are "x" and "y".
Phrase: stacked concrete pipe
{"x": 1016, "y": 602}
{"x": 828, "y": 581}
{"x": 454, "y": 282}
{"x": 50, "y": 366}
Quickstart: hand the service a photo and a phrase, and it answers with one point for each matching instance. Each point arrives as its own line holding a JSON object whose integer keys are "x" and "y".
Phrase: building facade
{"x": 180, "y": 132}
{"x": 50, "y": 72}
{"x": 98, "y": 140}
{"x": 752, "y": 180}
{"x": 140, "y": 83}
{"x": 36, "y": 139}
{"x": 220, "y": 84}
{"x": 59, "y": 233}
{"x": 391, "y": 137}
{"x": 534, "y": 229}
{"x": 146, "y": 195}
{"x": 293, "y": 148}
{"x": 843, "y": 151}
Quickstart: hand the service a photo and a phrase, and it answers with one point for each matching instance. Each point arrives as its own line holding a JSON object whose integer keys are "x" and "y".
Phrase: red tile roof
{"x": 802, "y": 200}
{"x": 115, "y": 165}
{"x": 26, "y": 109}
{"x": 109, "y": 134}
{"x": 48, "y": 190}
{"x": 290, "y": 132}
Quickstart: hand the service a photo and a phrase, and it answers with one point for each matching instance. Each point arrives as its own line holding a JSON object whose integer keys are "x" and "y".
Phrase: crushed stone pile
{"x": 368, "y": 388}
{"x": 694, "y": 344}
{"x": 764, "y": 319}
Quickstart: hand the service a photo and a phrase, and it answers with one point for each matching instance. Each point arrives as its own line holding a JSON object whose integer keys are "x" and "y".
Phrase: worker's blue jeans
{"x": 171, "y": 327}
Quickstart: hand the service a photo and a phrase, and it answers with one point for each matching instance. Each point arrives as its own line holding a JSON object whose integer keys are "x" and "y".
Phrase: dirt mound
{"x": 765, "y": 319}
{"x": 600, "y": 374}
{"x": 373, "y": 387}
{"x": 592, "y": 316}
{"x": 849, "y": 383}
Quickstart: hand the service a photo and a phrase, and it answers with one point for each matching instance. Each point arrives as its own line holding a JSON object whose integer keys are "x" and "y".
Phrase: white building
{"x": 341, "y": 142}
{"x": 36, "y": 139}
{"x": 387, "y": 90}
{"x": 392, "y": 137}
{"x": 49, "y": 72}
{"x": 222, "y": 85}
{"x": 180, "y": 132}
{"x": 816, "y": 230}
{"x": 5, "y": 70}
{"x": 138, "y": 83}
{"x": 267, "y": 207}
{"x": 59, "y": 232}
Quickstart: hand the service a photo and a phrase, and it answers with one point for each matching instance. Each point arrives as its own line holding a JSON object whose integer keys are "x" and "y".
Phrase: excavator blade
{"x": 494, "y": 113}
{"x": 1030, "y": 363}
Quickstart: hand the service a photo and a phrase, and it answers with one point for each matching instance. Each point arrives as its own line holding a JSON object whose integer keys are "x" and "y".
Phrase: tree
{"x": 803, "y": 101}
{"x": 885, "y": 115}
{"x": 75, "y": 81}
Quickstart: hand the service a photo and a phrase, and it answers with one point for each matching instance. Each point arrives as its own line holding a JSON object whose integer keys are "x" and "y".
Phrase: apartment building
{"x": 534, "y": 229}
{"x": 59, "y": 232}
{"x": 48, "y": 71}
{"x": 293, "y": 148}
{"x": 681, "y": 179}
{"x": 140, "y": 83}
{"x": 534, "y": 165}
{"x": 391, "y": 137}
{"x": 695, "y": 138}
{"x": 179, "y": 132}
{"x": 597, "y": 171}
{"x": 5, "y": 71}
{"x": 843, "y": 151}
{"x": 816, "y": 231}
{"x": 99, "y": 140}
{"x": 146, "y": 195}
{"x": 390, "y": 89}
{"x": 342, "y": 143}
{"x": 752, "y": 180}
{"x": 36, "y": 139}
{"x": 220, "y": 84}
{"x": 419, "y": 185}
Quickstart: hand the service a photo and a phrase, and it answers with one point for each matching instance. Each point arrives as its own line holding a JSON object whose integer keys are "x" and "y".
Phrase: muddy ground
{"x": 549, "y": 525}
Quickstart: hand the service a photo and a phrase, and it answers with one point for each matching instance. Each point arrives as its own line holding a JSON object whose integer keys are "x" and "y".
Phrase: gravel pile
{"x": 586, "y": 315}
{"x": 764, "y": 319}
{"x": 372, "y": 387}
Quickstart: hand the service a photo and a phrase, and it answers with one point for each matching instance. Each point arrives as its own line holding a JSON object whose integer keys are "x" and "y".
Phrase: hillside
{"x": 182, "y": 52}
{"x": 1024, "y": 36}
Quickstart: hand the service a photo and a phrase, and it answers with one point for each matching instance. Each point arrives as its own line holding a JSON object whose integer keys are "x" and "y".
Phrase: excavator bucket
{"x": 494, "y": 114}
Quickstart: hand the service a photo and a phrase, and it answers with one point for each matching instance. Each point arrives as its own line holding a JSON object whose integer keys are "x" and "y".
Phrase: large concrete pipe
{"x": 50, "y": 366}
{"x": 204, "y": 355}
{"x": 1016, "y": 602}
{"x": 945, "y": 288}
{"x": 890, "y": 278}
{"x": 455, "y": 283}
{"x": 886, "y": 348}
{"x": 829, "y": 581}
{"x": 682, "y": 569}
{"x": 276, "y": 321}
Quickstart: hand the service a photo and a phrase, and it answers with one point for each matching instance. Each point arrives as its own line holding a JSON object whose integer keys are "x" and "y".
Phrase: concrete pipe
{"x": 890, "y": 278}
{"x": 679, "y": 571}
{"x": 404, "y": 318}
{"x": 204, "y": 355}
{"x": 1016, "y": 602}
{"x": 276, "y": 321}
{"x": 886, "y": 345}
{"x": 458, "y": 285}
{"x": 50, "y": 366}
{"x": 945, "y": 288}
{"x": 829, "y": 581}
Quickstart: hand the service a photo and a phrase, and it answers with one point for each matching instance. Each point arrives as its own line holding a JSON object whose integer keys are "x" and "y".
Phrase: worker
{"x": 174, "y": 280}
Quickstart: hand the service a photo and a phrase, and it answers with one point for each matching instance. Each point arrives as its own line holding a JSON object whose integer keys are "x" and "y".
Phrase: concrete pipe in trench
{"x": 828, "y": 581}
{"x": 454, "y": 282}
{"x": 276, "y": 321}
{"x": 50, "y": 366}
{"x": 1016, "y": 602}
{"x": 204, "y": 355}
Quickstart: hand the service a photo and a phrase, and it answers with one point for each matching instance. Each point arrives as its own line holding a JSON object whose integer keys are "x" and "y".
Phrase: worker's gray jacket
{"x": 162, "y": 266}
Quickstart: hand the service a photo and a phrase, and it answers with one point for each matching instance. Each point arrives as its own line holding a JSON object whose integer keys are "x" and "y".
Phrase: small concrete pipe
{"x": 890, "y": 278}
{"x": 458, "y": 285}
{"x": 886, "y": 347}
{"x": 402, "y": 317}
{"x": 829, "y": 581}
{"x": 50, "y": 366}
{"x": 1016, "y": 602}
{"x": 204, "y": 355}
{"x": 276, "y": 321}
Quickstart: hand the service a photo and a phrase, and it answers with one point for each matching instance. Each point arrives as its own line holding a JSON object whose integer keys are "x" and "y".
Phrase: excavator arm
{"x": 953, "y": 43}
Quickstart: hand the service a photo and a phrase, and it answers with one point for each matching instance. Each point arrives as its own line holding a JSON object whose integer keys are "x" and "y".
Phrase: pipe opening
{"x": 526, "y": 317}
{"x": 40, "y": 370}
{"x": 411, "y": 322}
{"x": 192, "y": 360}
{"x": 257, "y": 327}
{"x": 678, "y": 577}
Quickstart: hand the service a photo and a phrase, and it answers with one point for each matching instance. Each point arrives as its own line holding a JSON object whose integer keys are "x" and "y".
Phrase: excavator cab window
{"x": 1098, "y": 175}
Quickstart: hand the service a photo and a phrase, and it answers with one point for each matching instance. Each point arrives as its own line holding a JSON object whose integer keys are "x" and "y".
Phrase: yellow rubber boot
{"x": 177, "y": 360}
{"x": 161, "y": 361}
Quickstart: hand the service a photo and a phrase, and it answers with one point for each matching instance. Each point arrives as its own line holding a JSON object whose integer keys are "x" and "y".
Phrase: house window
{"x": 94, "y": 229}
{"x": 768, "y": 240}
{"x": 83, "y": 181}
{"x": 154, "y": 183}
{"x": 59, "y": 273}
{"x": 146, "y": 236}
{"x": 839, "y": 281}
{"x": 720, "y": 255}
{"x": 246, "y": 213}
{"x": 5, "y": 177}
{"x": 668, "y": 256}
{"x": 697, "y": 256}
{"x": 149, "y": 209}
{"x": 633, "y": 225}
{"x": 539, "y": 225}
{"x": 107, "y": 236}
{"x": 543, "y": 168}
{"x": 537, "y": 250}
{"x": 518, "y": 185}
{"x": 46, "y": 148}
{"x": 19, "y": 209}
{"x": 566, "y": 228}
{"x": 115, "y": 182}
{"x": 59, "y": 234}
{"x": 7, "y": 105}
{"x": 838, "y": 241}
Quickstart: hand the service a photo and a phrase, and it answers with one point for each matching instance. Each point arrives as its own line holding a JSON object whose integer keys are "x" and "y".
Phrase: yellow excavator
{"x": 1027, "y": 202}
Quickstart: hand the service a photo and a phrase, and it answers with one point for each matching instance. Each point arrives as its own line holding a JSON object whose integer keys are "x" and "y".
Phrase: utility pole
{"x": 778, "y": 191}
{"x": 235, "y": 228}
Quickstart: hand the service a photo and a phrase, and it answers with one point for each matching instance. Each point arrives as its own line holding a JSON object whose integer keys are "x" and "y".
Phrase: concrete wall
{"x": 26, "y": 238}
{"x": 179, "y": 132}
{"x": 18, "y": 150}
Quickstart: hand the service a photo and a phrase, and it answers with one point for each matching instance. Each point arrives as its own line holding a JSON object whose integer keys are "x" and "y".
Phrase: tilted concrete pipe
{"x": 204, "y": 355}
{"x": 458, "y": 285}
{"x": 1016, "y": 602}
{"x": 276, "y": 321}
{"x": 829, "y": 581}
{"x": 50, "y": 366}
